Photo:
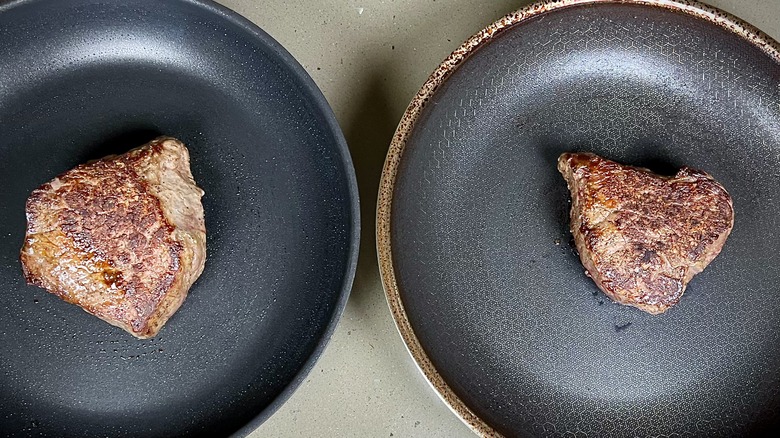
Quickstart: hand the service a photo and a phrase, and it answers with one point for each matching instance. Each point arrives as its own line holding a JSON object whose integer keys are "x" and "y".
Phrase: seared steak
{"x": 123, "y": 237}
{"x": 642, "y": 236}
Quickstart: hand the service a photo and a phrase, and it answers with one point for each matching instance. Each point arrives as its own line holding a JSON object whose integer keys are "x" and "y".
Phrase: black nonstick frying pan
{"x": 80, "y": 79}
{"x": 473, "y": 238}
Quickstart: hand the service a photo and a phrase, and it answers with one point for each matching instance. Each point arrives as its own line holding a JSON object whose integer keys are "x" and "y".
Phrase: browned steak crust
{"x": 641, "y": 236}
{"x": 122, "y": 237}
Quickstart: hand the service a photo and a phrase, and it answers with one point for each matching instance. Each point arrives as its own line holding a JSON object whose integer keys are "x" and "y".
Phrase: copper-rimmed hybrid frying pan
{"x": 472, "y": 224}
{"x": 80, "y": 79}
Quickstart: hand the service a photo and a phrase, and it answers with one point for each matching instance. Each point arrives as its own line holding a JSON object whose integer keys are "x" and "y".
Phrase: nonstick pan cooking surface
{"x": 475, "y": 251}
{"x": 80, "y": 79}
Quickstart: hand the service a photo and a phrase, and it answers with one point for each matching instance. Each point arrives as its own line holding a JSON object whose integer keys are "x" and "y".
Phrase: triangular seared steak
{"x": 642, "y": 236}
{"x": 123, "y": 237}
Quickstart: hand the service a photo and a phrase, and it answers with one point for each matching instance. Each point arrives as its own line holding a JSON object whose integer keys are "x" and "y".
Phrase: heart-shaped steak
{"x": 643, "y": 236}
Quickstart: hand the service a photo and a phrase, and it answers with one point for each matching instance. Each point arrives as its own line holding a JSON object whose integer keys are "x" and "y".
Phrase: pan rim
{"x": 408, "y": 122}
{"x": 320, "y": 105}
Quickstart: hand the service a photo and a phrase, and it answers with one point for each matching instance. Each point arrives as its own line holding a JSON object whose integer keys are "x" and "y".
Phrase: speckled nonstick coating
{"x": 80, "y": 79}
{"x": 472, "y": 223}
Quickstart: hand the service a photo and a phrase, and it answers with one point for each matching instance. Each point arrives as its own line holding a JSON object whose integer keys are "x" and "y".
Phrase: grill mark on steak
{"x": 642, "y": 236}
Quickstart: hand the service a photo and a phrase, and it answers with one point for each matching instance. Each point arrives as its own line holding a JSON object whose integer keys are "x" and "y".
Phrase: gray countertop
{"x": 370, "y": 57}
